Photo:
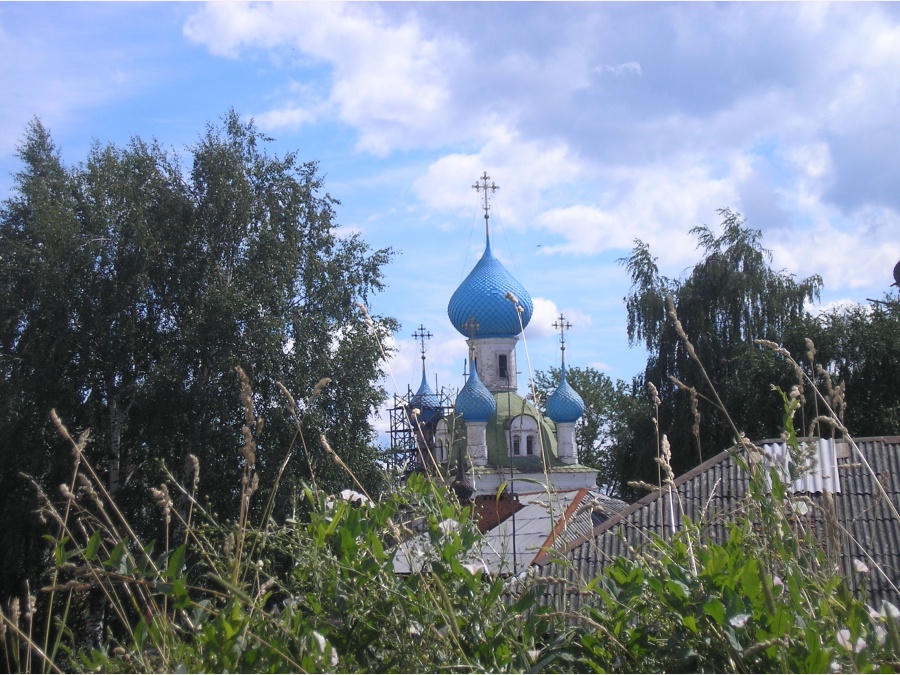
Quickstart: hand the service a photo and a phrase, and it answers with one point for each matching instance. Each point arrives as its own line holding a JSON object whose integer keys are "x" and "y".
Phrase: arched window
{"x": 522, "y": 437}
{"x": 441, "y": 441}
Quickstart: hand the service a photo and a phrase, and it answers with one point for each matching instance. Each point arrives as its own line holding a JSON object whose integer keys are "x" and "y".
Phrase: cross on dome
{"x": 483, "y": 185}
{"x": 564, "y": 406}
{"x": 562, "y": 326}
{"x": 484, "y": 292}
{"x": 471, "y": 326}
{"x": 421, "y": 335}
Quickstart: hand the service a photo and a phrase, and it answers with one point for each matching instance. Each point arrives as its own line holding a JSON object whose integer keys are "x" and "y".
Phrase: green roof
{"x": 509, "y": 406}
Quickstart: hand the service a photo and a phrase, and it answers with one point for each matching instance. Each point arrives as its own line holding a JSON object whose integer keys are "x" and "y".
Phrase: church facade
{"x": 494, "y": 436}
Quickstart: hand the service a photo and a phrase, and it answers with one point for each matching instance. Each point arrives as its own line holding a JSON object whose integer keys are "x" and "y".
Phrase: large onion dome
{"x": 482, "y": 296}
{"x": 474, "y": 402}
{"x": 564, "y": 406}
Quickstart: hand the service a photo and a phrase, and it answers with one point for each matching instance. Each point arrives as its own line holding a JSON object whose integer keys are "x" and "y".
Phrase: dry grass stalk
{"x": 337, "y": 459}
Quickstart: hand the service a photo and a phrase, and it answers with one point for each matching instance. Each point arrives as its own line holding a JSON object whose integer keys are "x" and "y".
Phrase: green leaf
{"x": 751, "y": 585}
{"x": 93, "y": 545}
{"x": 176, "y": 561}
{"x": 677, "y": 588}
{"x": 715, "y": 610}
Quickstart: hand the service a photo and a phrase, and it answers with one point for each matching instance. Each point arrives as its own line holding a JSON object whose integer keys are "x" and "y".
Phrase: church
{"x": 517, "y": 466}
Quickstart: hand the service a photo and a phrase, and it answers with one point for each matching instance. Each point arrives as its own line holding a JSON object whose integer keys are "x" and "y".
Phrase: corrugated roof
{"x": 818, "y": 466}
{"x": 713, "y": 492}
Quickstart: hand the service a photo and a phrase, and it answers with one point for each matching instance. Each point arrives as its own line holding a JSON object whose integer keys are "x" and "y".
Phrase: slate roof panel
{"x": 713, "y": 492}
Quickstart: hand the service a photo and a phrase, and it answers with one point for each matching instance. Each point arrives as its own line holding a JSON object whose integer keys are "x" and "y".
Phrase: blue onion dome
{"x": 564, "y": 406}
{"x": 424, "y": 398}
{"x": 474, "y": 402}
{"x": 483, "y": 297}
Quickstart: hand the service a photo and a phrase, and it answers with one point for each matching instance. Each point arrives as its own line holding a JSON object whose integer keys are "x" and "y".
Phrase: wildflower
{"x": 860, "y": 566}
{"x": 777, "y": 585}
{"x": 843, "y": 639}
{"x": 448, "y": 526}
{"x": 739, "y": 620}
{"x": 353, "y": 497}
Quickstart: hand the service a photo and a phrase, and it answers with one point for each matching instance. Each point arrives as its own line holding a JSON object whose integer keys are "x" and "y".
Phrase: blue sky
{"x": 600, "y": 122}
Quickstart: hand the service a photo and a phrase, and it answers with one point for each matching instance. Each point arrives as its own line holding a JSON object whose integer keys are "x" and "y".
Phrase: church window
{"x": 442, "y": 441}
{"x": 522, "y": 436}
{"x": 504, "y": 370}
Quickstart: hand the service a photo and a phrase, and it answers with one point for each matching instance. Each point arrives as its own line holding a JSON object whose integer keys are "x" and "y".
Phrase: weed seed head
{"x": 654, "y": 394}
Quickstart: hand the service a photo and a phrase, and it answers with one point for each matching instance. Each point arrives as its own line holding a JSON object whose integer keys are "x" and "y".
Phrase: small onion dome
{"x": 564, "y": 405}
{"x": 482, "y": 296}
{"x": 474, "y": 402}
{"x": 424, "y": 398}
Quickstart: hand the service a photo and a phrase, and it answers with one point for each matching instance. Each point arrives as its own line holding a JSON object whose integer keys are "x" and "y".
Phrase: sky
{"x": 601, "y": 123}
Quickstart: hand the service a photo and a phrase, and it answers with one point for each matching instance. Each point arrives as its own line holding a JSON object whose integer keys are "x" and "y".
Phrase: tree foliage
{"x": 130, "y": 288}
{"x": 616, "y": 426}
{"x": 731, "y": 297}
{"x": 859, "y": 345}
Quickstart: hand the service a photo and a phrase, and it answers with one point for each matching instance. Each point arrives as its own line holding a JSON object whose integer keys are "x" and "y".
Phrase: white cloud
{"x": 627, "y": 68}
{"x": 523, "y": 169}
{"x": 542, "y": 319}
{"x": 288, "y": 117}
{"x": 388, "y": 79}
{"x": 838, "y": 306}
{"x": 656, "y": 204}
{"x": 844, "y": 258}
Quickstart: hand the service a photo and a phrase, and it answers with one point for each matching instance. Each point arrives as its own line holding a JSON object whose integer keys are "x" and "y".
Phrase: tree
{"x": 859, "y": 345}
{"x": 729, "y": 299}
{"x": 130, "y": 291}
{"x": 615, "y": 427}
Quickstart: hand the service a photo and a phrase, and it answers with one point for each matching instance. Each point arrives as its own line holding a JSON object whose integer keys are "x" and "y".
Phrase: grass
{"x": 319, "y": 592}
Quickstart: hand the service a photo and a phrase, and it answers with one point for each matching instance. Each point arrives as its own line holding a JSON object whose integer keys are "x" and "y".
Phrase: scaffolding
{"x": 412, "y": 436}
